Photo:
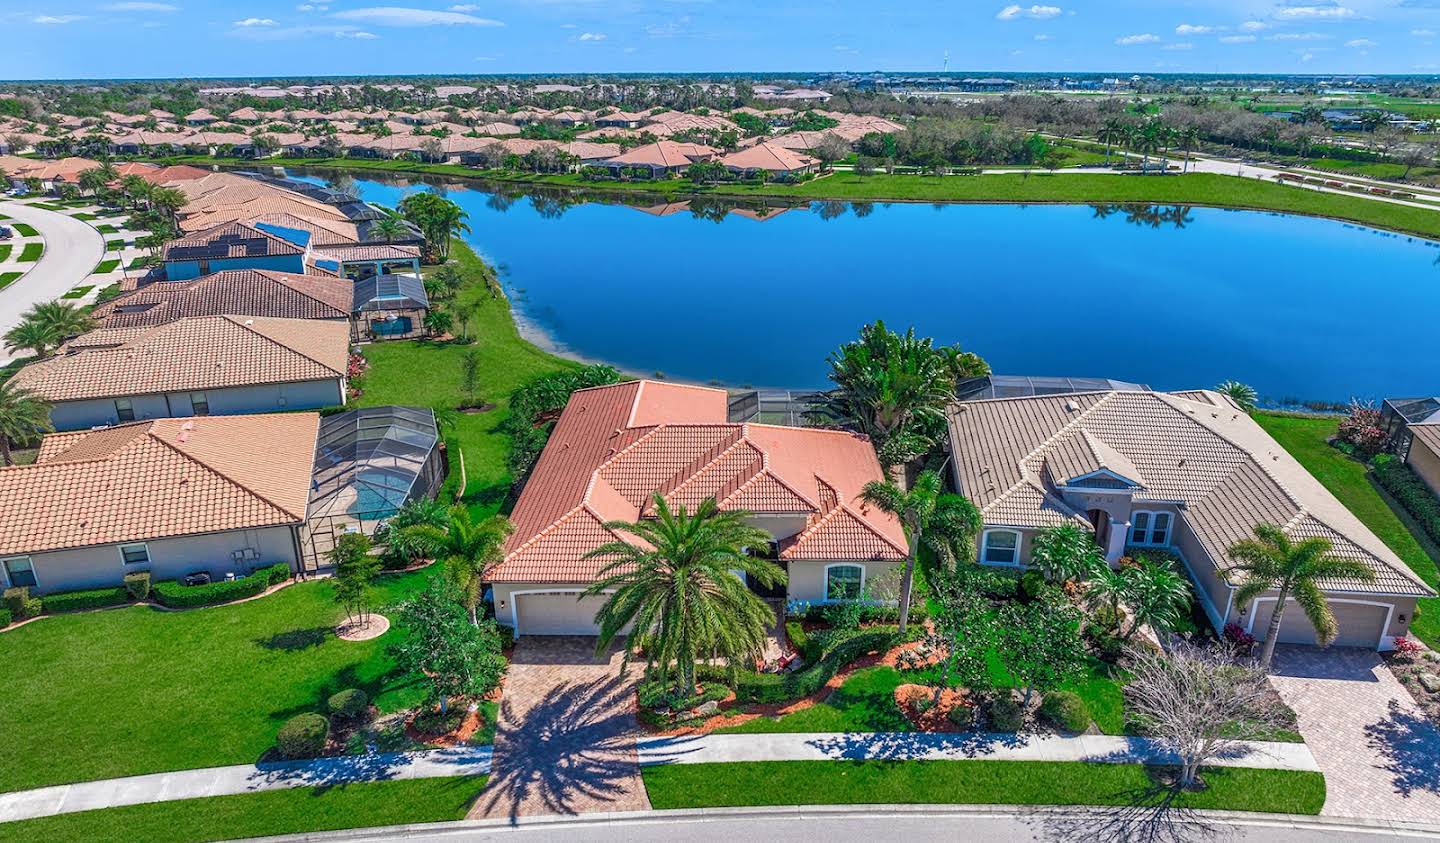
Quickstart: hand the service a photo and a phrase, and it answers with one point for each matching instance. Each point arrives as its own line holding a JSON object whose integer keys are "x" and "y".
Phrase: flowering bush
{"x": 1236, "y": 634}
{"x": 1362, "y": 430}
{"x": 1406, "y": 644}
{"x": 357, "y": 366}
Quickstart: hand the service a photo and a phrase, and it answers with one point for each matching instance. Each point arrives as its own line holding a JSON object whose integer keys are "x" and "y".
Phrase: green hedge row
{"x": 177, "y": 595}
{"x": 4, "y": 618}
{"x": 1406, "y": 487}
{"x": 95, "y": 598}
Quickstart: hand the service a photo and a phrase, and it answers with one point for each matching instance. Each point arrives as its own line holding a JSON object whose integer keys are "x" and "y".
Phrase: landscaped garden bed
{"x": 1418, "y": 669}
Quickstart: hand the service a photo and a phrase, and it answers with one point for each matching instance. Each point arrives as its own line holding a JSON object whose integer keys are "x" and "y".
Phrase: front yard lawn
{"x": 31, "y": 252}
{"x": 8, "y": 278}
{"x": 5, "y": 250}
{"x": 262, "y": 814}
{"x": 78, "y": 292}
{"x": 108, "y": 265}
{"x": 25, "y": 229}
{"x": 968, "y": 782}
{"x": 128, "y": 691}
{"x": 1350, "y": 481}
{"x": 865, "y": 703}
{"x": 114, "y": 245}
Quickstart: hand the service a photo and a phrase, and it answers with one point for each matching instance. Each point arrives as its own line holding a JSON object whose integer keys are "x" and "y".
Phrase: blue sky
{"x": 150, "y": 38}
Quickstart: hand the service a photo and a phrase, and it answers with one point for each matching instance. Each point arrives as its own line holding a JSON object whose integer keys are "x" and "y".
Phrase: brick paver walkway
{"x": 1380, "y": 755}
{"x": 565, "y": 742}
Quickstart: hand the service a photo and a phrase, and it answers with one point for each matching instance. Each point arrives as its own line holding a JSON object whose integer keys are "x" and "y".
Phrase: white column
{"x": 1119, "y": 534}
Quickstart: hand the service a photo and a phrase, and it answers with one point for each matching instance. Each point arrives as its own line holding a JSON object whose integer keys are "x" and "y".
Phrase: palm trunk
{"x": 908, "y": 583}
{"x": 5, "y": 450}
{"x": 1268, "y": 651}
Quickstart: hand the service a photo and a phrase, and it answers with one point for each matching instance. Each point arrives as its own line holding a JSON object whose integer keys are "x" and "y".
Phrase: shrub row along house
{"x": 1188, "y": 473}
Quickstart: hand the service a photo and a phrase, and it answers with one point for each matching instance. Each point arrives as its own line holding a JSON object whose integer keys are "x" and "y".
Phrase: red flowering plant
{"x": 1361, "y": 429}
{"x": 1236, "y": 635}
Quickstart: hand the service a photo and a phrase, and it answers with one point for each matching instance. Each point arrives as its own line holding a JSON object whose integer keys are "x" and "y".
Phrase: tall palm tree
{"x": 168, "y": 201}
{"x": 1242, "y": 394}
{"x": 136, "y": 190}
{"x": 1113, "y": 133}
{"x": 677, "y": 589}
{"x": 468, "y": 547}
{"x": 943, "y": 524}
{"x": 389, "y": 228}
{"x": 23, "y": 416}
{"x": 1272, "y": 562}
{"x": 1189, "y": 138}
{"x": 30, "y": 335}
{"x": 66, "y": 320}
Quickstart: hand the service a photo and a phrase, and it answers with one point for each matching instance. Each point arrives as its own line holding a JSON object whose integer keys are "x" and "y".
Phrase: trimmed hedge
{"x": 4, "y": 618}
{"x": 870, "y": 613}
{"x": 302, "y": 736}
{"x": 20, "y": 604}
{"x": 1065, "y": 710}
{"x": 75, "y": 601}
{"x": 348, "y": 704}
{"x": 1406, "y": 487}
{"x": 177, "y": 595}
{"x": 275, "y": 574}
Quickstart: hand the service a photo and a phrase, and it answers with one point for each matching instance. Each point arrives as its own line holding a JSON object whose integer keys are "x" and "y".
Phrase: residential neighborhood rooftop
{"x": 236, "y": 292}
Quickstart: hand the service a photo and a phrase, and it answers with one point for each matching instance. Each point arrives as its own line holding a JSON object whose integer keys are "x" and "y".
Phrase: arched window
{"x": 1150, "y": 529}
{"x": 844, "y": 582}
{"x": 1000, "y": 547}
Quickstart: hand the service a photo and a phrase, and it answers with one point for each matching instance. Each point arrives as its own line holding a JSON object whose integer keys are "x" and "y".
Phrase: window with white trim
{"x": 844, "y": 582}
{"x": 19, "y": 571}
{"x": 1150, "y": 529}
{"x": 1000, "y": 547}
{"x": 124, "y": 410}
{"x": 135, "y": 554}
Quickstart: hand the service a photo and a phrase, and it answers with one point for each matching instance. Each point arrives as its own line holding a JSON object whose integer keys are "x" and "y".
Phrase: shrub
{"x": 348, "y": 704}
{"x": 962, "y": 716}
{"x": 1032, "y": 584}
{"x": 177, "y": 595}
{"x": 303, "y": 736}
{"x": 1363, "y": 429}
{"x": 137, "y": 585}
{"x": 1065, "y": 710}
{"x": 1402, "y": 483}
{"x": 20, "y": 604}
{"x": 1407, "y": 645}
{"x": 837, "y": 652}
{"x": 4, "y": 618}
{"x": 1236, "y": 634}
{"x": 870, "y": 613}
{"x": 1006, "y": 716}
{"x": 74, "y": 601}
{"x": 801, "y": 641}
{"x": 275, "y": 574}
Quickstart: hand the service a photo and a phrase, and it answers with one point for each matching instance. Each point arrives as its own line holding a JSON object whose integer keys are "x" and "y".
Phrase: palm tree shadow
{"x": 574, "y": 748}
{"x": 1410, "y": 745}
{"x": 1143, "y": 815}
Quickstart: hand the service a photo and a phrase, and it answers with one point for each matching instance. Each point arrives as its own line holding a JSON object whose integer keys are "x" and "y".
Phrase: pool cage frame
{"x": 368, "y": 463}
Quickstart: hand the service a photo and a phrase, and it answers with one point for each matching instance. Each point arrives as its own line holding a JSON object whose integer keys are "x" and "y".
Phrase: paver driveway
{"x": 1380, "y": 756}
{"x": 565, "y": 743}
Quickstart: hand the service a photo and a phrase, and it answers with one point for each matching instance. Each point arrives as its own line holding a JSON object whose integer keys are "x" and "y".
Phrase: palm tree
{"x": 136, "y": 190}
{"x": 468, "y": 547}
{"x": 943, "y": 524}
{"x": 676, "y": 588}
{"x": 1144, "y": 141}
{"x": 1272, "y": 562}
{"x": 389, "y": 228}
{"x": 66, "y": 320}
{"x": 23, "y": 416}
{"x": 1157, "y": 594}
{"x": 1111, "y": 134}
{"x": 1189, "y": 138}
{"x": 168, "y": 201}
{"x": 1241, "y": 393}
{"x": 30, "y": 335}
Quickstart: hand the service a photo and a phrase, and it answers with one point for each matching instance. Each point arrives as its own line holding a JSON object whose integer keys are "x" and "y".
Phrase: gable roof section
{"x": 150, "y": 480}
{"x": 230, "y": 240}
{"x": 238, "y": 292}
{"x": 615, "y": 447}
{"x": 1192, "y": 449}
{"x": 203, "y": 352}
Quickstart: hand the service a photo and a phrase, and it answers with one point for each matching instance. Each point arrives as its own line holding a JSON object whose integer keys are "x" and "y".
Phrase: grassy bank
{"x": 968, "y": 782}
{"x": 1206, "y": 189}
{"x": 261, "y": 814}
{"x": 1349, "y": 480}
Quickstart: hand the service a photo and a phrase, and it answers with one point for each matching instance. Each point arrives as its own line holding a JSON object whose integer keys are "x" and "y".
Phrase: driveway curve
{"x": 72, "y": 249}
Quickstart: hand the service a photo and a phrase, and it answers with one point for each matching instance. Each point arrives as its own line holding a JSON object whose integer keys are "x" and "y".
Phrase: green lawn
{"x": 865, "y": 703}
{"x": 108, "y": 265}
{"x": 78, "y": 292}
{"x": 8, "y": 278}
{"x": 106, "y": 228}
{"x": 5, "y": 250}
{"x": 48, "y": 206}
{"x": 83, "y": 215}
{"x": 424, "y": 373}
{"x": 1349, "y": 480}
{"x": 137, "y": 262}
{"x": 129, "y": 691}
{"x": 261, "y": 814}
{"x": 114, "y": 245}
{"x": 25, "y": 229}
{"x": 967, "y": 782}
{"x": 31, "y": 252}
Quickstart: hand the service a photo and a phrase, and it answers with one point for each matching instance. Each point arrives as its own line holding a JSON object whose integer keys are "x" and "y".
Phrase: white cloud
{"x": 56, "y": 20}
{"x": 1143, "y": 38}
{"x": 1315, "y": 12}
{"x": 311, "y": 7}
{"x": 592, "y": 36}
{"x": 255, "y": 22}
{"x": 1044, "y": 37}
{"x": 142, "y": 7}
{"x": 291, "y": 33}
{"x": 1238, "y": 39}
{"x": 1423, "y": 33}
{"x": 1298, "y": 36}
{"x": 1193, "y": 29}
{"x": 1181, "y": 45}
{"x": 1307, "y": 56}
{"x": 405, "y": 16}
{"x": 1361, "y": 43}
{"x": 359, "y": 35}
{"x": 465, "y": 7}
{"x": 1036, "y": 12}
{"x": 1254, "y": 25}
{"x": 569, "y": 26}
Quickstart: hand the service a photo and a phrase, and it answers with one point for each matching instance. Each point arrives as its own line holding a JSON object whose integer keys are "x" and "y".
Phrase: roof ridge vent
{"x": 1072, "y": 405}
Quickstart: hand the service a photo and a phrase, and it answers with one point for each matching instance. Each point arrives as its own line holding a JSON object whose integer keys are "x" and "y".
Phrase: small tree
{"x": 1199, "y": 702}
{"x": 452, "y": 657}
{"x": 355, "y": 567}
{"x": 1067, "y": 552}
{"x": 470, "y": 375}
{"x": 1157, "y": 595}
{"x": 1039, "y": 644}
{"x": 966, "y": 628}
{"x": 438, "y": 322}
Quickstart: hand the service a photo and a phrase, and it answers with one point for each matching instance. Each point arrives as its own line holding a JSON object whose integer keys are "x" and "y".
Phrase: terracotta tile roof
{"x": 665, "y": 154}
{"x": 370, "y": 252}
{"x": 614, "y": 447}
{"x": 1193, "y": 449}
{"x": 769, "y": 157}
{"x": 203, "y": 352}
{"x": 168, "y": 477}
{"x": 230, "y": 240}
{"x": 239, "y": 292}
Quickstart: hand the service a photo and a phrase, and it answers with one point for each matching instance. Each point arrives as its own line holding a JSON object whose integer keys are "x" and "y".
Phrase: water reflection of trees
{"x": 1147, "y": 216}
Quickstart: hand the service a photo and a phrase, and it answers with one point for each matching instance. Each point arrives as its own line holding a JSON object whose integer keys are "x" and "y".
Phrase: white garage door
{"x": 557, "y": 613}
{"x": 1360, "y": 624}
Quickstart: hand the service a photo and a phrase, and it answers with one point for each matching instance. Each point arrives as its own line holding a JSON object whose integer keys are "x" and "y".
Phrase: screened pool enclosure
{"x": 368, "y": 463}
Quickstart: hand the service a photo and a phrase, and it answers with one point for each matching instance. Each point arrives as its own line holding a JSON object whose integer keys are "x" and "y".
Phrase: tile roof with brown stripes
{"x": 157, "y": 479}
{"x": 1194, "y": 449}
{"x": 237, "y": 292}
{"x": 615, "y": 447}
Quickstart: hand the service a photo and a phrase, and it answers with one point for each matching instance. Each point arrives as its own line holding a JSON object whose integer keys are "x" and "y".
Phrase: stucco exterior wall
{"x": 1426, "y": 464}
{"x": 100, "y": 566}
{"x": 807, "y": 579}
{"x": 302, "y": 395}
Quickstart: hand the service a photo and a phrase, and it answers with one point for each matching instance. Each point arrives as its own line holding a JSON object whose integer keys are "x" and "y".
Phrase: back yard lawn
{"x": 968, "y": 782}
{"x": 129, "y": 691}
{"x": 1350, "y": 481}
{"x": 261, "y": 814}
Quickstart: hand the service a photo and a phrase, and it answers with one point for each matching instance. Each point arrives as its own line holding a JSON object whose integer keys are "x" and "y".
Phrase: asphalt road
{"x": 895, "y": 823}
{"x": 72, "y": 249}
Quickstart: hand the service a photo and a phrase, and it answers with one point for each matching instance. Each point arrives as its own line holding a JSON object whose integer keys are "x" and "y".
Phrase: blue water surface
{"x": 1300, "y": 308}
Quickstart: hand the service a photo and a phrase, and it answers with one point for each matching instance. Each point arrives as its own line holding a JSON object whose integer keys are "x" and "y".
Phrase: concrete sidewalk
{"x": 965, "y": 746}
{"x": 243, "y": 778}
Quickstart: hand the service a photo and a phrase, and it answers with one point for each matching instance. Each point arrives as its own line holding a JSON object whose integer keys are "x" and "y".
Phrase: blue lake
{"x": 1300, "y": 308}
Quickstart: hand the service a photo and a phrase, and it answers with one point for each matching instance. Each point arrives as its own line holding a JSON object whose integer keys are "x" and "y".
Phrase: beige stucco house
{"x": 1188, "y": 472}
{"x": 614, "y": 447}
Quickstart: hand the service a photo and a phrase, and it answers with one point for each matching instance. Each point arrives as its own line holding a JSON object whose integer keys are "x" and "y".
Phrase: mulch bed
{"x": 376, "y": 626}
{"x": 1408, "y": 667}
{"x": 914, "y": 700}
{"x": 469, "y": 724}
